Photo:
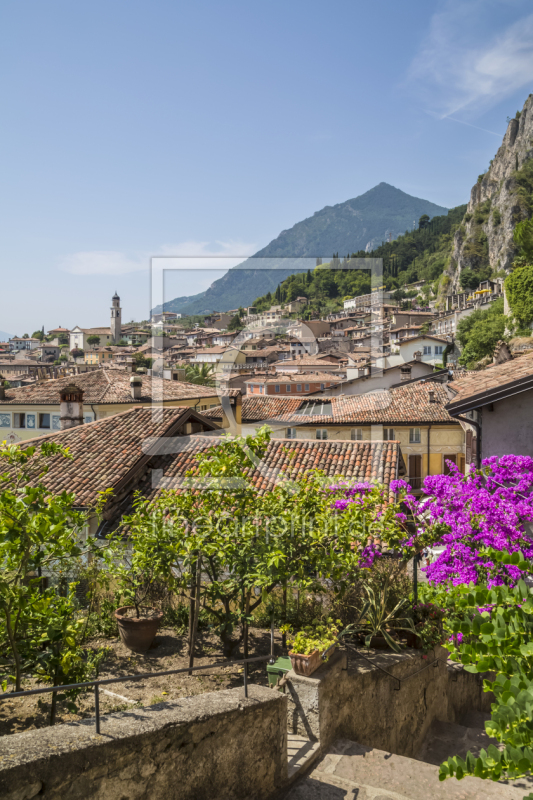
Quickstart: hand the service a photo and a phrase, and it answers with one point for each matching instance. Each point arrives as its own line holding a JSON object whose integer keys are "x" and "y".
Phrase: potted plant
{"x": 428, "y": 624}
{"x": 378, "y": 628}
{"x": 312, "y": 646}
{"x": 137, "y": 622}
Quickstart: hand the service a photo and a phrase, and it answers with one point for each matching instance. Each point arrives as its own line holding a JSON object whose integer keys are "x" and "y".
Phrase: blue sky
{"x": 133, "y": 129}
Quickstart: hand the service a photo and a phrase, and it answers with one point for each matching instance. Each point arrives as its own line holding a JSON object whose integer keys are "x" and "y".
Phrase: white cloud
{"x": 206, "y": 255}
{"x": 201, "y": 255}
{"x": 102, "y": 262}
{"x": 459, "y": 68}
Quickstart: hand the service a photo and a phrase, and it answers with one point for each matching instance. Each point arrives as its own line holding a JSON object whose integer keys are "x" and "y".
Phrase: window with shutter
{"x": 415, "y": 471}
{"x": 469, "y": 446}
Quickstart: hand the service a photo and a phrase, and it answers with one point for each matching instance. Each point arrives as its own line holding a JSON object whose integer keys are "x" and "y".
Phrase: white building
{"x": 426, "y": 348}
{"x": 16, "y": 344}
{"x": 112, "y": 335}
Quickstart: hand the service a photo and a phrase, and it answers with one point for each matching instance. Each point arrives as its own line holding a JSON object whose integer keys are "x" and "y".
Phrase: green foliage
{"x": 469, "y": 279}
{"x": 523, "y": 236}
{"x": 201, "y": 374}
{"x": 235, "y": 323}
{"x": 298, "y": 609}
{"x": 318, "y": 636}
{"x": 142, "y": 361}
{"x": 375, "y": 620}
{"x": 524, "y": 187}
{"x": 422, "y": 254}
{"x": 496, "y": 635}
{"x": 93, "y": 340}
{"x": 496, "y": 216}
{"x": 244, "y": 545}
{"x": 519, "y": 292}
{"x": 480, "y": 332}
{"x": 39, "y": 532}
{"x": 77, "y": 352}
{"x": 38, "y": 335}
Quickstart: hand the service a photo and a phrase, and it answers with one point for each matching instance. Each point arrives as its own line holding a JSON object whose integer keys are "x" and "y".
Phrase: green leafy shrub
{"x": 519, "y": 291}
{"x": 319, "y": 636}
{"x": 300, "y": 609}
{"x": 480, "y": 332}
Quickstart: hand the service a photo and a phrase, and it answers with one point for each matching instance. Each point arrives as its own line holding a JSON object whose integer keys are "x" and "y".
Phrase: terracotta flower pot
{"x": 137, "y": 634}
{"x": 306, "y": 665}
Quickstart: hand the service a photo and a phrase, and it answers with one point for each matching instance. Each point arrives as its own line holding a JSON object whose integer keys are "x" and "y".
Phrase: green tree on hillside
{"x": 479, "y": 333}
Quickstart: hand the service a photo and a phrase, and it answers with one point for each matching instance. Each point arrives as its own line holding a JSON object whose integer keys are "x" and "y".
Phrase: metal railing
{"x": 141, "y": 676}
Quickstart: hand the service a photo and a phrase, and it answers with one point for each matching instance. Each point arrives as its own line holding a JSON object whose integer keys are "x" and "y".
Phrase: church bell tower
{"x": 116, "y": 319}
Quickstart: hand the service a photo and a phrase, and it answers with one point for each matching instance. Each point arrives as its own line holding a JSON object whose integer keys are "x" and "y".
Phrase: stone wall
{"x": 218, "y": 745}
{"x": 357, "y": 701}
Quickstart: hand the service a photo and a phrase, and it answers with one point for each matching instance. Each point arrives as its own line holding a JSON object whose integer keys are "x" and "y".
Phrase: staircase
{"x": 350, "y": 771}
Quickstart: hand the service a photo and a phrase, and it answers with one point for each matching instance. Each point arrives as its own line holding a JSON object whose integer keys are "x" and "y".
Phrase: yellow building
{"x": 101, "y": 355}
{"x": 413, "y": 415}
{"x": 35, "y": 410}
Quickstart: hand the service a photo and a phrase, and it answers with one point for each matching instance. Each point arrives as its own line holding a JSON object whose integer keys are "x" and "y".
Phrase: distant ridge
{"x": 359, "y": 223}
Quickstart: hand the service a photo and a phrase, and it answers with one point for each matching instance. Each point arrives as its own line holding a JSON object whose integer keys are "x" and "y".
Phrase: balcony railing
{"x": 415, "y": 483}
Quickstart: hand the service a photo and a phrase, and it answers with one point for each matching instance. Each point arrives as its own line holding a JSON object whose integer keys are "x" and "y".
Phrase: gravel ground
{"x": 169, "y": 651}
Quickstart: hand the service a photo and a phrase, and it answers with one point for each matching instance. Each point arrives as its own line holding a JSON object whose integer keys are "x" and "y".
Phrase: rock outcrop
{"x": 484, "y": 242}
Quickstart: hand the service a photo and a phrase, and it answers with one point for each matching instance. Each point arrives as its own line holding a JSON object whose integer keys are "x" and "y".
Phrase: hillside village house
{"x": 497, "y": 406}
{"x": 430, "y": 348}
{"x": 18, "y": 344}
{"x": 325, "y": 362}
{"x": 56, "y": 332}
{"x": 99, "y": 355}
{"x": 291, "y": 383}
{"x": 369, "y": 378}
{"x": 35, "y": 410}
{"x": 78, "y": 337}
{"x": 413, "y": 415}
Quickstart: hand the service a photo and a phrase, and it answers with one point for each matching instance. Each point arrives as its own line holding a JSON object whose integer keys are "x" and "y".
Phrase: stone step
{"x": 301, "y": 753}
{"x": 446, "y": 739}
{"x": 350, "y": 771}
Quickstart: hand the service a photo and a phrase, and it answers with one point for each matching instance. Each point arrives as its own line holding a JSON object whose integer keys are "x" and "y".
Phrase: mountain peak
{"x": 362, "y": 222}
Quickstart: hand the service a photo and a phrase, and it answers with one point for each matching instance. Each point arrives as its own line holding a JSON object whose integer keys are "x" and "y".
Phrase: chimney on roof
{"x": 431, "y": 396}
{"x": 136, "y": 386}
{"x": 70, "y": 407}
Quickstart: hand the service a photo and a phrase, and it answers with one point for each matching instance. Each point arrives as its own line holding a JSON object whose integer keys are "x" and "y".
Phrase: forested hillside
{"x": 422, "y": 254}
{"x": 359, "y": 223}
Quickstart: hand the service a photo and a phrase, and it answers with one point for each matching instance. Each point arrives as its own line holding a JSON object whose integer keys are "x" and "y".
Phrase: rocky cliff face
{"x": 484, "y": 243}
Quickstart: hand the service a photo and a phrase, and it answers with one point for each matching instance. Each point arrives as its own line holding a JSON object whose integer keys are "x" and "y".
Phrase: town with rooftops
{"x": 272, "y": 538}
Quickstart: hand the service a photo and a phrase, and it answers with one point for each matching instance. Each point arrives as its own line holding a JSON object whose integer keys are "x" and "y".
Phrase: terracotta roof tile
{"x": 492, "y": 378}
{"x": 107, "y": 451}
{"x": 105, "y": 386}
{"x": 379, "y": 462}
{"x": 406, "y": 404}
